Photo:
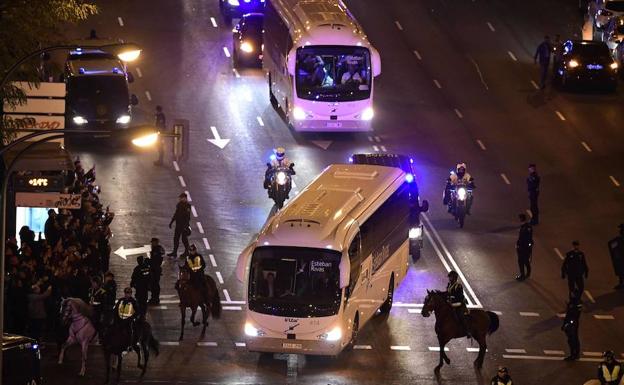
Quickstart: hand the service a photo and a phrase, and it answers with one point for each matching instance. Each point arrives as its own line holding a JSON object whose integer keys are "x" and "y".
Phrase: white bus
{"x": 326, "y": 263}
{"x": 320, "y": 65}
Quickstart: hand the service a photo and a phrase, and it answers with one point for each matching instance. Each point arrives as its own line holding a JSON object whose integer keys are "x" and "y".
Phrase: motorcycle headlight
{"x": 252, "y": 331}
{"x": 79, "y": 120}
{"x": 415, "y": 233}
{"x": 333, "y": 335}
{"x": 299, "y": 113}
{"x": 281, "y": 178}
{"x": 246, "y": 47}
{"x": 613, "y": 66}
{"x": 368, "y": 114}
{"x": 234, "y": 3}
{"x": 123, "y": 119}
{"x": 461, "y": 194}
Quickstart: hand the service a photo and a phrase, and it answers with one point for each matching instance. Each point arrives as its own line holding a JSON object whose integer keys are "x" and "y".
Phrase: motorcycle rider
{"x": 455, "y": 297}
{"x": 458, "y": 176}
{"x": 278, "y": 159}
{"x": 610, "y": 370}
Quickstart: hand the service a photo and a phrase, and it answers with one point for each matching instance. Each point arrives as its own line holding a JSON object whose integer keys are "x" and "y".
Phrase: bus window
{"x": 355, "y": 259}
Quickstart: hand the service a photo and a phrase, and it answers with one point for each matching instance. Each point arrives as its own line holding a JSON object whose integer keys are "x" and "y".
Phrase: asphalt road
{"x": 457, "y": 84}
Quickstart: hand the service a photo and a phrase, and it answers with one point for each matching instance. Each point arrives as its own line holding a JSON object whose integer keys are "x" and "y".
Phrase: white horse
{"x": 81, "y": 329}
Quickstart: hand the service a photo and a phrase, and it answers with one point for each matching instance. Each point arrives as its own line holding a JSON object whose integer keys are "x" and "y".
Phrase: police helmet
{"x": 140, "y": 259}
{"x": 608, "y": 354}
{"x": 192, "y": 247}
{"x": 460, "y": 168}
{"x": 280, "y": 153}
{"x": 128, "y": 290}
{"x": 503, "y": 369}
{"x": 453, "y": 274}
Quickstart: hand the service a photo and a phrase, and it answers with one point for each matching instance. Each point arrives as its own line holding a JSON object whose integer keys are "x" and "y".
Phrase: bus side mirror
{"x": 130, "y": 77}
{"x": 291, "y": 60}
{"x": 134, "y": 100}
{"x": 375, "y": 62}
{"x": 424, "y": 206}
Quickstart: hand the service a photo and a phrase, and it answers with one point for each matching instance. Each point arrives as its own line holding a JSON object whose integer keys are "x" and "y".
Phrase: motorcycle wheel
{"x": 460, "y": 215}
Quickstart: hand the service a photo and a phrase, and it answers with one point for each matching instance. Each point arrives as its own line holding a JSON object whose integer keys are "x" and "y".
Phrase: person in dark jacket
{"x": 542, "y": 55}
{"x": 524, "y": 247}
{"x": 51, "y": 228}
{"x": 571, "y": 326}
{"x": 502, "y": 377}
{"x": 140, "y": 281}
{"x": 97, "y": 297}
{"x": 182, "y": 219}
{"x": 575, "y": 269}
{"x": 161, "y": 125}
{"x": 110, "y": 297}
{"x": 36, "y": 311}
{"x": 533, "y": 187}
{"x": 155, "y": 263}
{"x": 455, "y": 297}
{"x": 616, "y": 249}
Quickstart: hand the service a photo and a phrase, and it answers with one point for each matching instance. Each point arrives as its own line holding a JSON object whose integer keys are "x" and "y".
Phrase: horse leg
{"x": 443, "y": 356}
{"x": 119, "y": 359}
{"x": 70, "y": 341}
{"x": 193, "y": 312}
{"x": 145, "y": 356}
{"x": 182, "y": 320}
{"x": 205, "y": 320}
{"x": 482, "y": 348}
{"x": 108, "y": 363}
{"x": 137, "y": 350}
{"x": 85, "y": 349}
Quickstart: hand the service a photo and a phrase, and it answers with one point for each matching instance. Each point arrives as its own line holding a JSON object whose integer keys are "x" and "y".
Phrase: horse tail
{"x": 215, "y": 306}
{"x": 494, "y": 322}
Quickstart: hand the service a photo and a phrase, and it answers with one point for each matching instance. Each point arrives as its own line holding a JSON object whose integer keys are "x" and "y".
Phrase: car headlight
{"x": 281, "y": 178}
{"x": 246, "y": 47}
{"x": 234, "y": 3}
{"x": 415, "y": 233}
{"x": 368, "y": 114}
{"x": 299, "y": 113}
{"x": 123, "y": 119}
{"x": 333, "y": 335}
{"x": 573, "y": 63}
{"x": 461, "y": 194}
{"x": 614, "y": 66}
{"x": 251, "y": 331}
{"x": 79, "y": 120}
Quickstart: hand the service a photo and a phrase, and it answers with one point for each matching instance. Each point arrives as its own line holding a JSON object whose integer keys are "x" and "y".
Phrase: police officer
{"x": 161, "y": 124}
{"x": 571, "y": 326}
{"x": 533, "y": 184}
{"x": 110, "y": 297}
{"x": 575, "y": 268}
{"x": 197, "y": 265}
{"x": 140, "y": 281}
{"x": 502, "y": 377}
{"x": 616, "y": 248}
{"x": 455, "y": 297}
{"x": 97, "y": 297}
{"x": 126, "y": 313}
{"x": 524, "y": 247}
{"x": 542, "y": 54}
{"x": 182, "y": 219}
{"x": 155, "y": 264}
{"x": 610, "y": 370}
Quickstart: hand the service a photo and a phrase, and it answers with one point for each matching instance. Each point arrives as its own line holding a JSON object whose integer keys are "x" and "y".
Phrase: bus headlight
{"x": 234, "y": 3}
{"x": 333, "y": 335}
{"x": 281, "y": 178}
{"x": 251, "y": 331}
{"x": 123, "y": 119}
{"x": 368, "y": 114}
{"x": 415, "y": 233}
{"x": 461, "y": 194}
{"x": 79, "y": 120}
{"x": 246, "y": 47}
{"x": 299, "y": 113}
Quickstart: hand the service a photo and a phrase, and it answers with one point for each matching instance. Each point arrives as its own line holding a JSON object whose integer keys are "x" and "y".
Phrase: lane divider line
{"x": 236, "y": 72}
{"x": 212, "y": 260}
{"x": 437, "y": 349}
{"x": 480, "y": 143}
{"x": 219, "y": 277}
{"x": 586, "y": 147}
{"x": 413, "y": 311}
{"x": 592, "y": 354}
{"x": 227, "y": 295}
{"x": 206, "y": 244}
{"x": 558, "y": 253}
{"x": 138, "y": 71}
{"x": 529, "y": 314}
{"x": 170, "y": 343}
{"x": 188, "y": 196}
{"x": 400, "y": 347}
{"x": 362, "y": 347}
{"x": 512, "y": 56}
{"x": 181, "y": 179}
{"x": 202, "y": 343}
{"x": 437, "y": 83}
{"x": 200, "y": 228}
{"x": 370, "y": 139}
{"x": 505, "y": 178}
{"x": 260, "y": 122}
{"x": 240, "y": 344}
{"x": 518, "y": 351}
{"x": 383, "y": 148}
{"x": 615, "y": 181}
{"x": 377, "y": 139}
{"x": 459, "y": 114}
{"x": 214, "y": 22}
{"x": 497, "y": 312}
{"x": 560, "y": 116}
{"x": 475, "y": 350}
{"x": 491, "y": 27}
{"x": 120, "y": 21}
{"x": 417, "y": 55}
{"x": 398, "y": 25}
{"x": 604, "y": 316}
{"x": 226, "y": 51}
{"x": 375, "y": 148}
{"x": 176, "y": 166}
{"x": 534, "y": 85}
{"x": 148, "y": 95}
{"x": 554, "y": 352}
{"x": 194, "y": 211}
{"x": 238, "y": 308}
{"x": 591, "y": 298}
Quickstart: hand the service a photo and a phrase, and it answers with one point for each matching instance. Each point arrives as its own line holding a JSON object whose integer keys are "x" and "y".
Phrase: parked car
{"x": 231, "y": 9}
{"x": 587, "y": 63}
{"x": 20, "y": 360}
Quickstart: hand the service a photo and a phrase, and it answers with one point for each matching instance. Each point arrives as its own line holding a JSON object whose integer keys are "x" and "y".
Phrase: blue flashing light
{"x": 411, "y": 161}
{"x": 81, "y": 70}
{"x": 35, "y": 346}
{"x": 409, "y": 178}
{"x": 272, "y": 157}
{"x": 115, "y": 70}
{"x": 350, "y": 159}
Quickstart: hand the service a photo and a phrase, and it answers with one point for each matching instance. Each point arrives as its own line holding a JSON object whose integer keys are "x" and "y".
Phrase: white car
{"x": 605, "y": 10}
{"x": 613, "y": 32}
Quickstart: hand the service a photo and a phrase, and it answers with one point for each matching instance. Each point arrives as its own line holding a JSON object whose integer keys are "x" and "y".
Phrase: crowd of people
{"x": 70, "y": 260}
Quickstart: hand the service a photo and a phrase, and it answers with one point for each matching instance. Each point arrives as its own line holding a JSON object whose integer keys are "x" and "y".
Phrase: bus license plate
{"x": 287, "y": 345}
{"x": 334, "y": 124}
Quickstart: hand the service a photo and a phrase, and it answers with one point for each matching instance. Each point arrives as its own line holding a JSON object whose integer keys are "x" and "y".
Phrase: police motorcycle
{"x": 278, "y": 180}
{"x": 461, "y": 194}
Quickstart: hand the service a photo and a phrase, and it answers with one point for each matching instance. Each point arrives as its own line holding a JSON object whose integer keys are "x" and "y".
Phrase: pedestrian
{"x": 610, "y": 371}
{"x": 557, "y": 53}
{"x": 574, "y": 267}
{"x": 155, "y": 263}
{"x": 571, "y": 327}
{"x": 542, "y": 54}
{"x": 182, "y": 219}
{"x": 161, "y": 125}
{"x": 140, "y": 281}
{"x": 616, "y": 248}
{"x": 36, "y": 311}
{"x": 502, "y": 377}
{"x": 524, "y": 247}
{"x": 533, "y": 186}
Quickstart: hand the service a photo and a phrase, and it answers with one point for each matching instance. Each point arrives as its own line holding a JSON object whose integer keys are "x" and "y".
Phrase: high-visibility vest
{"x": 610, "y": 376}
{"x": 194, "y": 263}
{"x": 126, "y": 310}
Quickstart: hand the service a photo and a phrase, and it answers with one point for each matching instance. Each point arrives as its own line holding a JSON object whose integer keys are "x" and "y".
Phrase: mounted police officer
{"x": 502, "y": 377}
{"x": 571, "y": 326}
{"x": 97, "y": 298}
{"x": 126, "y": 312}
{"x": 610, "y": 371}
{"x": 455, "y": 297}
{"x": 575, "y": 268}
{"x": 140, "y": 281}
{"x": 197, "y": 265}
{"x": 524, "y": 247}
{"x": 155, "y": 264}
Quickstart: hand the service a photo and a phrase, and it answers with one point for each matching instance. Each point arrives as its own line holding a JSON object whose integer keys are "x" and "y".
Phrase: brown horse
{"x": 448, "y": 327}
{"x": 191, "y": 296}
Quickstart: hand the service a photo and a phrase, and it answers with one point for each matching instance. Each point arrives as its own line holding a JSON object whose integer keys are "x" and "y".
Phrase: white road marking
{"x": 211, "y": 344}
{"x": 233, "y": 302}
{"x": 168, "y": 295}
{"x": 417, "y": 55}
{"x": 475, "y": 350}
{"x": 413, "y": 311}
{"x": 398, "y": 25}
{"x": 148, "y": 95}
{"x": 554, "y": 352}
{"x": 480, "y": 143}
{"x": 194, "y": 211}
{"x": 383, "y": 148}
{"x": 375, "y": 148}
{"x": 604, "y": 316}
{"x": 206, "y": 244}
{"x": 400, "y": 347}
{"x": 260, "y": 122}
{"x": 377, "y": 139}
{"x": 548, "y": 358}
{"x": 362, "y": 347}
{"x": 214, "y": 22}
{"x": 497, "y": 312}
{"x": 237, "y": 308}
{"x": 401, "y": 304}
{"x": 236, "y": 72}
{"x": 561, "y": 315}
{"x": 227, "y": 295}
{"x": 181, "y": 179}
{"x": 517, "y": 351}
{"x": 226, "y": 51}
{"x": 560, "y": 116}
{"x": 370, "y": 138}
{"x": 615, "y": 181}
{"x": 459, "y": 114}
{"x": 437, "y": 83}
{"x": 170, "y": 343}
{"x": 437, "y": 349}
{"x": 200, "y": 228}
{"x": 529, "y": 314}
{"x": 170, "y": 301}
{"x": 505, "y": 178}
{"x": 212, "y": 260}
{"x": 138, "y": 71}
{"x": 176, "y": 166}
{"x": 120, "y": 20}
{"x": 558, "y": 253}
{"x": 157, "y": 308}
{"x": 512, "y": 56}
{"x": 534, "y": 85}
{"x": 592, "y": 354}
{"x": 491, "y": 27}
{"x": 586, "y": 147}
{"x": 591, "y": 298}
{"x": 188, "y": 196}
{"x": 240, "y": 344}
{"x": 219, "y": 277}
{"x": 479, "y": 72}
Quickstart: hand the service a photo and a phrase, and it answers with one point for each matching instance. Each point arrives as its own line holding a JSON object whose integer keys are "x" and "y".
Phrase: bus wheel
{"x": 385, "y": 308}
{"x": 354, "y": 332}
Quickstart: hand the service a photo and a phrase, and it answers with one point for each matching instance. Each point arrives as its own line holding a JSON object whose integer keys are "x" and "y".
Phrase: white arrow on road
{"x": 123, "y": 253}
{"x": 217, "y": 141}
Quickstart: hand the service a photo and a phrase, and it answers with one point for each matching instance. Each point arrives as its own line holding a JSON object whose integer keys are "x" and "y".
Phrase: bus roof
{"x": 321, "y": 215}
{"x": 320, "y": 22}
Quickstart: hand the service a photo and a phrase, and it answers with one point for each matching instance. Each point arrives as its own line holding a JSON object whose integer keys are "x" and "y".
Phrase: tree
{"x": 29, "y": 25}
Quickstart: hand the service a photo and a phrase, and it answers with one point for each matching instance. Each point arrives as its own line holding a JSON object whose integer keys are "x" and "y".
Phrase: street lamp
{"x": 142, "y": 136}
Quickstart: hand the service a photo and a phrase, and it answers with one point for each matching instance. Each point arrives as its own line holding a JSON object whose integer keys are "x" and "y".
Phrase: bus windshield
{"x": 333, "y": 73}
{"x": 98, "y": 95}
{"x": 295, "y": 282}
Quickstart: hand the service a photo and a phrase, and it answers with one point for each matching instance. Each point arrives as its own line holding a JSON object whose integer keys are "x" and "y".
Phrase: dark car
{"x": 587, "y": 63}
{"x": 20, "y": 360}
{"x": 236, "y": 8}
{"x": 247, "y": 40}
{"x": 406, "y": 164}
